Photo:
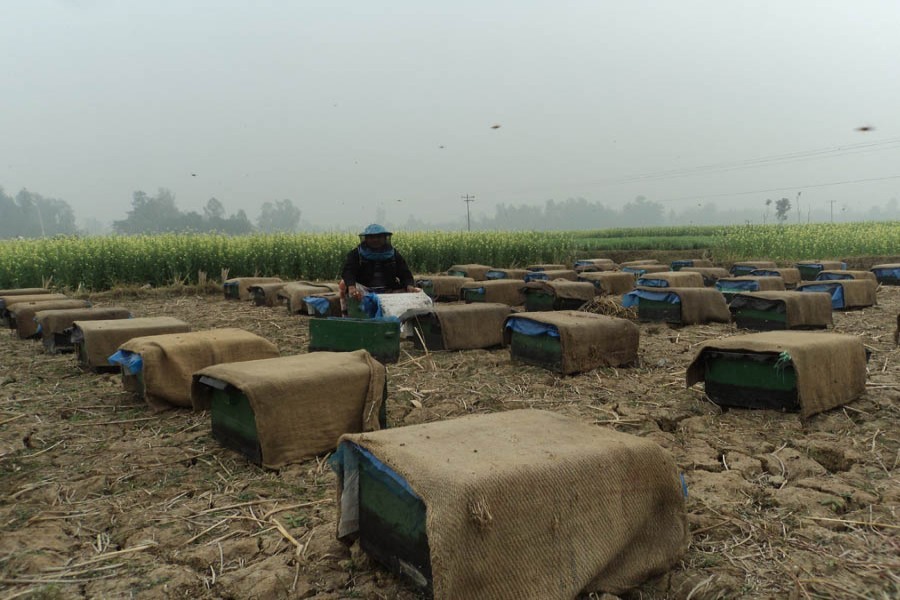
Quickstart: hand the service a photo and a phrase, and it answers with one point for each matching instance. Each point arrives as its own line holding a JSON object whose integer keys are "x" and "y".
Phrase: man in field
{"x": 375, "y": 266}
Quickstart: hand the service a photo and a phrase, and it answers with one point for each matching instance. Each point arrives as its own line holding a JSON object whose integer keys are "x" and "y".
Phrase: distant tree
{"x": 151, "y": 214}
{"x": 641, "y": 212}
{"x": 32, "y": 215}
{"x": 281, "y": 215}
{"x": 237, "y": 224}
{"x": 213, "y": 210}
{"x": 766, "y": 214}
{"x": 782, "y": 206}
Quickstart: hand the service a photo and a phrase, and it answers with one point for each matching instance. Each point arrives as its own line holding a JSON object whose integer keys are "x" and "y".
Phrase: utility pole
{"x": 799, "y": 214}
{"x": 468, "y": 199}
{"x": 831, "y": 203}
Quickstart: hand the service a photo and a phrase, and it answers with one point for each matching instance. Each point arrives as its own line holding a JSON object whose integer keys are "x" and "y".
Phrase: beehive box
{"x": 504, "y": 291}
{"x": 846, "y": 293}
{"x": 611, "y": 283}
{"x": 238, "y": 288}
{"x": 593, "y": 265}
{"x": 266, "y": 294}
{"x": 557, "y": 295}
{"x": 293, "y": 293}
{"x": 570, "y": 341}
{"x": 460, "y": 327}
{"x": 163, "y": 365}
{"x": 476, "y": 272}
{"x": 546, "y": 267}
{"x": 96, "y": 341}
{"x": 841, "y": 275}
{"x": 415, "y": 496}
{"x": 790, "y": 275}
{"x": 809, "y": 269}
{"x": 678, "y": 265}
{"x": 681, "y": 306}
{"x": 506, "y": 274}
{"x": 442, "y": 288}
{"x": 768, "y": 311}
{"x": 381, "y": 338}
{"x": 887, "y": 274}
{"x": 6, "y": 302}
{"x": 280, "y": 411}
{"x": 639, "y": 262}
{"x": 729, "y": 286}
{"x": 710, "y": 275}
{"x": 21, "y": 314}
{"x": 640, "y": 270}
{"x": 745, "y": 267}
{"x": 322, "y": 305}
{"x": 551, "y": 275}
{"x": 800, "y": 371}
{"x": 671, "y": 279}
{"x": 56, "y": 325}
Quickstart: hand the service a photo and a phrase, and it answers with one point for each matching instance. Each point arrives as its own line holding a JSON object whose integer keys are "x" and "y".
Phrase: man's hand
{"x": 355, "y": 293}
{"x": 413, "y": 289}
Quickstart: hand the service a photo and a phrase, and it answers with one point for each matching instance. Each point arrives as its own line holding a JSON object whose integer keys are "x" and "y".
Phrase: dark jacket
{"x": 392, "y": 273}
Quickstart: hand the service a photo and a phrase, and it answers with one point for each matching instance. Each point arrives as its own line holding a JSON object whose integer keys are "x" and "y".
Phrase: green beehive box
{"x": 354, "y": 309}
{"x": 380, "y": 337}
{"x": 540, "y": 350}
{"x": 428, "y": 330}
{"x": 541, "y": 300}
{"x": 659, "y": 310}
{"x": 750, "y": 380}
{"x": 258, "y": 296}
{"x": 473, "y": 295}
{"x": 769, "y": 316}
{"x": 234, "y": 423}
{"x": 392, "y": 521}
{"x": 232, "y": 290}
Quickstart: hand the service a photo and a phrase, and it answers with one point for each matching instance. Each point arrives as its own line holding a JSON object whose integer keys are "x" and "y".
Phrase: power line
{"x": 779, "y": 189}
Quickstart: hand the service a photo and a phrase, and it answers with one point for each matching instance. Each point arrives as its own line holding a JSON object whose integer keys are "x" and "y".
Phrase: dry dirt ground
{"x": 101, "y": 498}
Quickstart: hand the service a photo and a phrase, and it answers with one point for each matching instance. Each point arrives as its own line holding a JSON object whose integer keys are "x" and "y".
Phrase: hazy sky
{"x": 345, "y": 106}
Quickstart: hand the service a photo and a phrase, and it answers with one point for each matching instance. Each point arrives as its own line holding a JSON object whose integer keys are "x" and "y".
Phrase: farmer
{"x": 374, "y": 266}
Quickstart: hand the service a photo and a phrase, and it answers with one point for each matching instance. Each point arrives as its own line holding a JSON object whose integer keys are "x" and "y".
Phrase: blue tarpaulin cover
{"x": 739, "y": 286}
{"x": 832, "y": 276}
{"x": 320, "y": 305}
{"x": 836, "y": 291}
{"x": 131, "y": 362}
{"x": 661, "y": 283}
{"x": 887, "y": 272}
{"x": 536, "y": 276}
{"x": 633, "y": 297}
{"x": 529, "y": 327}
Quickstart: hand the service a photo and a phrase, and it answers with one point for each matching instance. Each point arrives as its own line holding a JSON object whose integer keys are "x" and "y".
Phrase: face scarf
{"x": 367, "y": 253}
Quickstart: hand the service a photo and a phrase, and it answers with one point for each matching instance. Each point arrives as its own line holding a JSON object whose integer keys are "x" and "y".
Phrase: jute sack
{"x": 569, "y": 274}
{"x": 852, "y": 274}
{"x": 711, "y": 274}
{"x": 568, "y": 290}
{"x": 504, "y": 291}
{"x": 269, "y": 292}
{"x": 756, "y": 264}
{"x": 53, "y": 322}
{"x": 23, "y": 292}
{"x": 294, "y": 293}
{"x": 303, "y": 403}
{"x": 677, "y": 278}
{"x": 858, "y": 293}
{"x": 651, "y": 268}
{"x": 700, "y": 305}
{"x": 9, "y": 300}
{"x": 100, "y": 339}
{"x": 637, "y": 263}
{"x": 546, "y": 267}
{"x": 23, "y": 312}
{"x": 587, "y": 340}
{"x": 830, "y": 367}
{"x": 476, "y": 272}
{"x": 171, "y": 359}
{"x": 244, "y": 284}
{"x": 530, "y": 504}
{"x": 512, "y": 273}
{"x": 827, "y": 265}
{"x": 444, "y": 286}
{"x": 801, "y": 309}
{"x": 614, "y": 283}
{"x": 790, "y": 275}
{"x": 471, "y": 326}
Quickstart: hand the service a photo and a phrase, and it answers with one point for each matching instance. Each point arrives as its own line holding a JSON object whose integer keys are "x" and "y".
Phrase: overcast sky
{"x": 345, "y": 106}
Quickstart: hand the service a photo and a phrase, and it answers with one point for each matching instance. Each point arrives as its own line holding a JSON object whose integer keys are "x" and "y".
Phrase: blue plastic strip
{"x": 339, "y": 464}
{"x": 495, "y": 275}
{"x": 832, "y": 277}
{"x": 765, "y": 273}
{"x": 836, "y": 290}
{"x": 682, "y": 263}
{"x": 321, "y": 305}
{"x": 478, "y": 290}
{"x": 529, "y": 327}
{"x": 633, "y": 297}
{"x": 636, "y": 270}
{"x": 131, "y": 362}
{"x": 536, "y": 276}
{"x": 660, "y": 283}
{"x": 737, "y": 286}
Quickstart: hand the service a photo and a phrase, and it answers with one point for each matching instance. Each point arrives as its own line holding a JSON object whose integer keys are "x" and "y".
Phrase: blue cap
{"x": 375, "y": 229}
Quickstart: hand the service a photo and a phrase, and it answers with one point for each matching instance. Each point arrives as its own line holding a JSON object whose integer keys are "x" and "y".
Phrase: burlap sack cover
{"x": 567, "y": 290}
{"x": 529, "y": 504}
{"x": 171, "y": 359}
{"x": 476, "y": 272}
{"x": 57, "y": 321}
{"x": 652, "y": 268}
{"x": 103, "y": 338}
{"x": 471, "y": 326}
{"x": 808, "y": 309}
{"x": 294, "y": 293}
{"x": 8, "y": 301}
{"x": 614, "y": 283}
{"x": 827, "y": 265}
{"x": 638, "y": 263}
{"x": 546, "y": 267}
{"x": 756, "y": 264}
{"x": 445, "y": 286}
{"x": 790, "y": 275}
{"x": 701, "y": 263}
{"x": 588, "y": 341}
{"x": 888, "y": 266}
{"x": 26, "y": 325}
{"x": 23, "y": 292}
{"x": 504, "y": 291}
{"x": 602, "y": 264}
{"x": 700, "y": 305}
{"x": 244, "y": 284}
{"x": 303, "y": 403}
{"x": 710, "y": 273}
{"x": 513, "y": 273}
{"x": 830, "y": 367}
{"x": 852, "y": 274}
{"x": 678, "y": 278}
{"x": 269, "y": 292}
{"x": 766, "y": 284}
{"x": 858, "y": 293}
{"x": 569, "y": 274}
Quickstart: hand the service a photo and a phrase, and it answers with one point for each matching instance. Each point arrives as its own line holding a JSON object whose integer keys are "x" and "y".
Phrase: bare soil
{"x": 102, "y": 498}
